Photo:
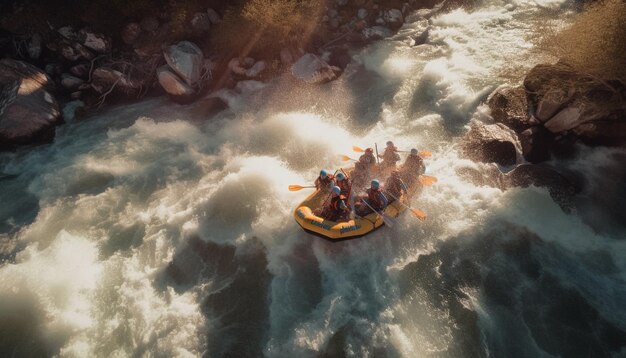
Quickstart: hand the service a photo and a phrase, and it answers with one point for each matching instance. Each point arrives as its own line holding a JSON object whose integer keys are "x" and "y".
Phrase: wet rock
{"x": 376, "y": 33}
{"x": 28, "y": 112}
{"x": 490, "y": 143}
{"x": 70, "y": 82}
{"x": 81, "y": 70}
{"x": 214, "y": 17}
{"x": 104, "y": 78}
{"x": 131, "y": 33}
{"x": 94, "y": 41}
{"x": 176, "y": 87}
{"x": 236, "y": 67}
{"x": 200, "y": 23}
{"x": 509, "y": 106}
{"x": 536, "y": 144}
{"x": 68, "y": 32}
{"x": 573, "y": 102}
{"x": 393, "y": 18}
{"x": 362, "y": 13}
{"x": 186, "y": 59}
{"x": 485, "y": 175}
{"x": 312, "y": 69}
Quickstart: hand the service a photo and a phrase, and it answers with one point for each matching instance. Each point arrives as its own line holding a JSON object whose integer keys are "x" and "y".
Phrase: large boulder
{"x": 312, "y": 69}
{"x": 536, "y": 144}
{"x": 105, "y": 79}
{"x": 186, "y": 59}
{"x": 28, "y": 112}
{"x": 94, "y": 41}
{"x": 493, "y": 143}
{"x": 509, "y": 106}
{"x": 177, "y": 89}
{"x": 568, "y": 101}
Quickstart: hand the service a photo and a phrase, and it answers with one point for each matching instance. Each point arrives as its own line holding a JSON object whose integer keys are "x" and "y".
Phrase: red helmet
{"x": 369, "y": 150}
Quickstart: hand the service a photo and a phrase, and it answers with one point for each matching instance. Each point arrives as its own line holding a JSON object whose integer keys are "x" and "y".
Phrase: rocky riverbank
{"x": 544, "y": 119}
{"x": 174, "y": 52}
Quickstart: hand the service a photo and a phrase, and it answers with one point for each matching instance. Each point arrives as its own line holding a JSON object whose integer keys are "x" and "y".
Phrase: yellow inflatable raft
{"x": 338, "y": 231}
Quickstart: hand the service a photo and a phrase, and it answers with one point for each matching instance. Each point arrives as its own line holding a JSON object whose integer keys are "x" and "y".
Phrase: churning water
{"x": 150, "y": 230}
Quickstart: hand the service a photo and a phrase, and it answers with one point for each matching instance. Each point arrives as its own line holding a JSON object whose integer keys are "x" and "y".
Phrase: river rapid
{"x": 151, "y": 230}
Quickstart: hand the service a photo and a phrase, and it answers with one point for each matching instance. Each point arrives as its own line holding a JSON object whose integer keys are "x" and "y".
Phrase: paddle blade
{"x": 418, "y": 214}
{"x": 345, "y": 158}
{"x": 357, "y": 149}
{"x": 425, "y": 154}
{"x": 295, "y": 187}
{"x": 427, "y": 180}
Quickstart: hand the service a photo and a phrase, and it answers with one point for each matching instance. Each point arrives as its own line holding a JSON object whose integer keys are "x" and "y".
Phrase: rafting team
{"x": 377, "y": 196}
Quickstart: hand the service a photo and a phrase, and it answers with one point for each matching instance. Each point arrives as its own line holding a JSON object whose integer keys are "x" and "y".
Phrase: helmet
{"x": 323, "y": 173}
{"x": 389, "y": 143}
{"x": 340, "y": 176}
{"x": 369, "y": 150}
{"x": 375, "y": 184}
{"x": 336, "y": 190}
{"x": 413, "y": 151}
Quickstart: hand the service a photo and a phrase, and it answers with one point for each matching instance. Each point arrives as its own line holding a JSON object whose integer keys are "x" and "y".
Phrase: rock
{"x": 103, "y": 78}
{"x": 568, "y": 101}
{"x": 131, "y": 33}
{"x": 487, "y": 175}
{"x": 186, "y": 59}
{"x": 490, "y": 143}
{"x": 247, "y": 62}
{"x": 561, "y": 188}
{"x": 34, "y": 47}
{"x": 536, "y": 144}
{"x": 149, "y": 24}
{"x": 175, "y": 86}
{"x": 376, "y": 33}
{"x": 361, "y": 13}
{"x": 285, "y": 56}
{"x": 338, "y": 56}
{"x": 68, "y": 32}
{"x": 312, "y": 69}
{"x": 94, "y": 41}
{"x": 200, "y": 22}
{"x": 54, "y": 69}
{"x": 214, "y": 17}
{"x": 393, "y": 18}
{"x": 423, "y": 27}
{"x": 28, "y": 112}
{"x": 81, "y": 70}
{"x": 70, "y": 82}
{"x": 235, "y": 66}
{"x": 256, "y": 69}
{"x": 342, "y": 2}
{"x": 509, "y": 106}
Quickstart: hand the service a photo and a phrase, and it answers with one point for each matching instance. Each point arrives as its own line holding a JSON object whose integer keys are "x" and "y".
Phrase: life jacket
{"x": 414, "y": 164}
{"x": 325, "y": 182}
{"x": 335, "y": 203}
{"x": 345, "y": 186}
{"x": 376, "y": 198}
{"x": 367, "y": 158}
{"x": 391, "y": 155}
{"x": 394, "y": 186}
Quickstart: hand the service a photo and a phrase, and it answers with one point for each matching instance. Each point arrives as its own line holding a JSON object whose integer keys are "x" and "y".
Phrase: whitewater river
{"x": 151, "y": 230}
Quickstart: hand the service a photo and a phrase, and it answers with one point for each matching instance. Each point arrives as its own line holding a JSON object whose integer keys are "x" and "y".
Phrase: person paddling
{"x": 368, "y": 159}
{"x": 344, "y": 183}
{"x": 325, "y": 181}
{"x": 413, "y": 167}
{"x": 394, "y": 185}
{"x": 374, "y": 198}
{"x": 390, "y": 156}
{"x": 336, "y": 209}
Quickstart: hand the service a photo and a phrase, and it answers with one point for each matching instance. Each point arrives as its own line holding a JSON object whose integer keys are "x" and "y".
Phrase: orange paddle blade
{"x": 427, "y": 180}
{"x": 425, "y": 153}
{"x": 295, "y": 187}
{"x": 418, "y": 214}
{"x": 345, "y": 158}
{"x": 357, "y": 149}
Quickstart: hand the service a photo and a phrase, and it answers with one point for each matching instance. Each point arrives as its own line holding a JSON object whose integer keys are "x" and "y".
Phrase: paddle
{"x": 423, "y": 153}
{"x": 294, "y": 187}
{"x": 427, "y": 180}
{"x": 345, "y": 158}
{"x": 386, "y": 219}
{"x": 416, "y": 212}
